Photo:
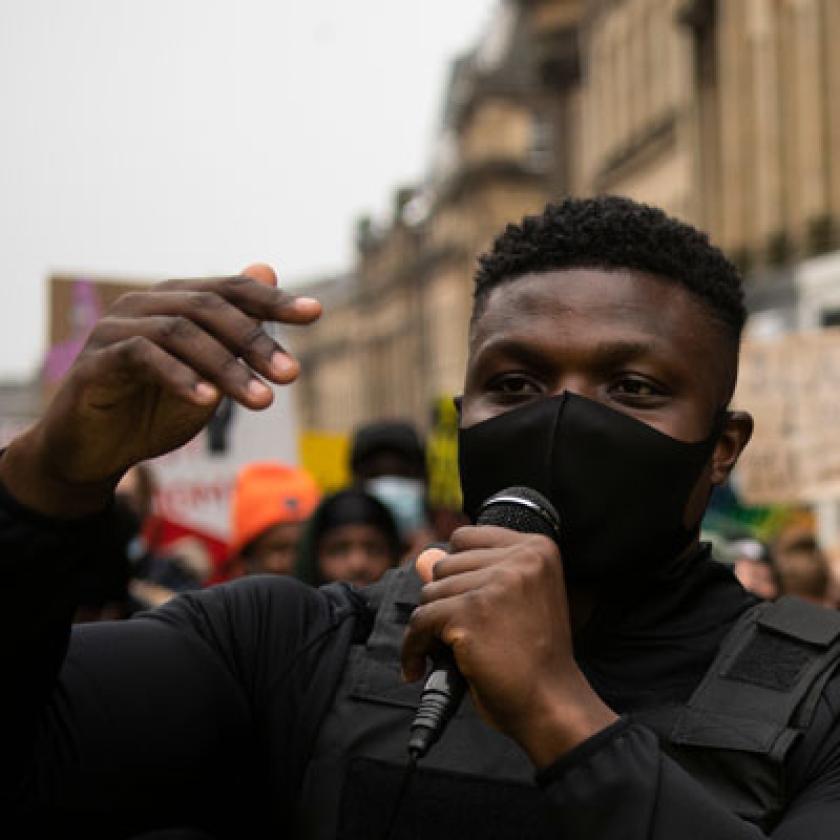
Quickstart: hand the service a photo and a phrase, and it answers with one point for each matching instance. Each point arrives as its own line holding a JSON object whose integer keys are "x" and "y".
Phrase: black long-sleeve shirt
{"x": 194, "y": 714}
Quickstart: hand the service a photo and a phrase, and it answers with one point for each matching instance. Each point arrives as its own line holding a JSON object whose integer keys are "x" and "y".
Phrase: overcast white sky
{"x": 158, "y": 138}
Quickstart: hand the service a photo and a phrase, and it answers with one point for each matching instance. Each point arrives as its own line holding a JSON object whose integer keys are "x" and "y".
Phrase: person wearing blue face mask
{"x": 621, "y": 685}
{"x": 388, "y": 460}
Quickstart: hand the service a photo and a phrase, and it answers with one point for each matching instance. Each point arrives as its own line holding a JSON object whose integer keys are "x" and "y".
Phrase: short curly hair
{"x": 613, "y": 232}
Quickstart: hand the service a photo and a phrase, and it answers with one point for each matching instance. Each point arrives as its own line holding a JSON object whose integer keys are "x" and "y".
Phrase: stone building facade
{"x": 723, "y": 112}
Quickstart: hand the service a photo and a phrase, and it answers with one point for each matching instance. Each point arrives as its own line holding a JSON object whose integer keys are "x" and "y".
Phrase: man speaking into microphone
{"x": 620, "y": 683}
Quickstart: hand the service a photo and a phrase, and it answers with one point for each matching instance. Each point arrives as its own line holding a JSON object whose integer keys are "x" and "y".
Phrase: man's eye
{"x": 513, "y": 385}
{"x": 637, "y": 388}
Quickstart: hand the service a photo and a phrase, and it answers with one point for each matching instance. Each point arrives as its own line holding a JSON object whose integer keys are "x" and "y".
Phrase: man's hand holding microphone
{"x": 498, "y": 601}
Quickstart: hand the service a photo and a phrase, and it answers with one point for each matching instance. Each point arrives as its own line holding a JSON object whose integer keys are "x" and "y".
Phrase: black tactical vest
{"x": 733, "y": 735}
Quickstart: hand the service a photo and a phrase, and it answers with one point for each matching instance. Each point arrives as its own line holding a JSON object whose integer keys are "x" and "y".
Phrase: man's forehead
{"x": 592, "y": 294}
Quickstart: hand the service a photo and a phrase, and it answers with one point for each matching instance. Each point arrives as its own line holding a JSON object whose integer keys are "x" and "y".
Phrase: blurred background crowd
{"x": 281, "y": 523}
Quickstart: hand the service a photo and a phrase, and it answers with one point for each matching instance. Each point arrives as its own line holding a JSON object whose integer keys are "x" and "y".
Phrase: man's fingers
{"x": 486, "y": 536}
{"x": 458, "y": 564}
{"x": 278, "y": 305}
{"x": 435, "y": 563}
{"x": 148, "y": 363}
{"x": 458, "y": 584}
{"x": 421, "y": 639}
{"x": 243, "y": 336}
{"x": 256, "y": 299}
{"x": 196, "y": 349}
{"x": 442, "y": 622}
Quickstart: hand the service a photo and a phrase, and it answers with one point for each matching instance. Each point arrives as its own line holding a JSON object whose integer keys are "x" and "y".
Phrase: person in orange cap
{"x": 271, "y": 501}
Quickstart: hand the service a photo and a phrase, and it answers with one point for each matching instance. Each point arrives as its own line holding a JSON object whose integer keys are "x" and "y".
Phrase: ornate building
{"x": 724, "y": 112}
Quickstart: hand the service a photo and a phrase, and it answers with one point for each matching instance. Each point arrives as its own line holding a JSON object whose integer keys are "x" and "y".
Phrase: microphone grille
{"x": 521, "y": 509}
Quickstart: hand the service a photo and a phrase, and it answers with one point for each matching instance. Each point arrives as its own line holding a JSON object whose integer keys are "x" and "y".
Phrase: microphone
{"x": 518, "y": 509}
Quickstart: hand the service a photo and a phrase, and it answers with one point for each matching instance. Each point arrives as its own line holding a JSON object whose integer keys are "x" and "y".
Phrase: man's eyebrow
{"x": 605, "y": 353}
{"x": 520, "y": 350}
{"x": 610, "y": 353}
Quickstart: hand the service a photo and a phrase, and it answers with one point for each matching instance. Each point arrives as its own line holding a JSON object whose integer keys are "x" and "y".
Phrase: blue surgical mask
{"x": 404, "y": 498}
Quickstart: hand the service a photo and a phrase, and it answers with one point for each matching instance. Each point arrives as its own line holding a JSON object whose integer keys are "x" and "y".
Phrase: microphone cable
{"x": 407, "y": 776}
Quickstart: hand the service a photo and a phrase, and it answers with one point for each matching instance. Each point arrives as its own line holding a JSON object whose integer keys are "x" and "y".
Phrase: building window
{"x": 541, "y": 143}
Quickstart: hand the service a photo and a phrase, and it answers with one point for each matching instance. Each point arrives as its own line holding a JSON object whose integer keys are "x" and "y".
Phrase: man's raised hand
{"x": 150, "y": 376}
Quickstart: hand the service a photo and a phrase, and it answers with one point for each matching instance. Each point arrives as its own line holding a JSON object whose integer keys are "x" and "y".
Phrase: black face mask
{"x": 619, "y": 485}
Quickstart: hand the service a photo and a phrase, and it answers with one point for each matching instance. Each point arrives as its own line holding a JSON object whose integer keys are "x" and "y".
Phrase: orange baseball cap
{"x": 269, "y": 493}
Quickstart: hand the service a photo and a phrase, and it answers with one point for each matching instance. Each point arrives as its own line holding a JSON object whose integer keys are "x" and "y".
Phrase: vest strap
{"x": 764, "y": 685}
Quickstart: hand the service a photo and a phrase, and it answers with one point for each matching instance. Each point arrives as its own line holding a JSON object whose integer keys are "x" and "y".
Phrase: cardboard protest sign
{"x": 791, "y": 386}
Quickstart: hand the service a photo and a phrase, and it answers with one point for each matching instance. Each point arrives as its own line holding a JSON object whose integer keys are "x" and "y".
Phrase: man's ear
{"x": 737, "y": 430}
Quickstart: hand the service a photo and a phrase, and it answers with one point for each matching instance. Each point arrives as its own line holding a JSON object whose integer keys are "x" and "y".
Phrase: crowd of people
{"x": 280, "y": 523}
{"x": 793, "y": 563}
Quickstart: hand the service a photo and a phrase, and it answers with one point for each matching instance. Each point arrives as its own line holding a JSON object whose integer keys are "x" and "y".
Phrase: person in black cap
{"x": 621, "y": 685}
{"x": 387, "y": 447}
{"x": 388, "y": 460}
